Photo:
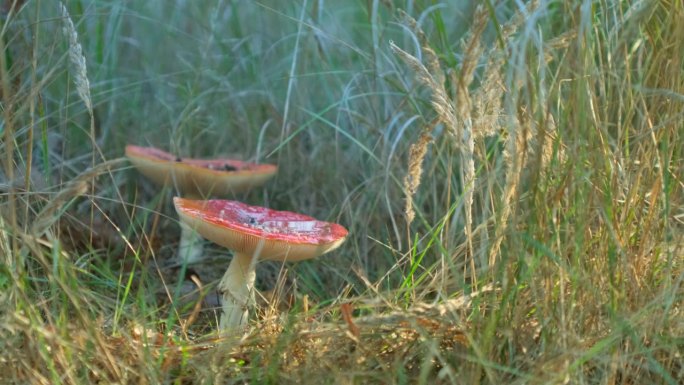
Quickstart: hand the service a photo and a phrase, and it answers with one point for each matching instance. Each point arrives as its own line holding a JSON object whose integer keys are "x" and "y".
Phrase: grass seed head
{"x": 76, "y": 58}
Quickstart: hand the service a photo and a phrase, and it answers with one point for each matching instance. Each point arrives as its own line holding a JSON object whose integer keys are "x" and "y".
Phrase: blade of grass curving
{"x": 293, "y": 68}
{"x": 344, "y": 133}
{"x": 306, "y": 124}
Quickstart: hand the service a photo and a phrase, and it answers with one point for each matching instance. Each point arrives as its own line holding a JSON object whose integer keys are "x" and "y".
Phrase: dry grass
{"x": 417, "y": 153}
{"x": 535, "y": 153}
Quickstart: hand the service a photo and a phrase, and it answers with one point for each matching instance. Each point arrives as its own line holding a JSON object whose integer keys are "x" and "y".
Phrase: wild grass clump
{"x": 510, "y": 173}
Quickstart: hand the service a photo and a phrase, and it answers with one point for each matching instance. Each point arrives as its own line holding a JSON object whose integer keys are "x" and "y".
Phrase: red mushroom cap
{"x": 273, "y": 235}
{"x": 199, "y": 176}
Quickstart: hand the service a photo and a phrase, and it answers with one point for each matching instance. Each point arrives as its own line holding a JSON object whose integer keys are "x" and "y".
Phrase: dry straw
{"x": 522, "y": 137}
{"x": 472, "y": 53}
{"x": 74, "y": 188}
{"x": 470, "y": 116}
{"x": 454, "y": 111}
{"x": 82, "y": 83}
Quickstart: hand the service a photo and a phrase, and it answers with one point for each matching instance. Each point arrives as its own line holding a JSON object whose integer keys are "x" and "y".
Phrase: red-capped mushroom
{"x": 255, "y": 233}
{"x": 198, "y": 178}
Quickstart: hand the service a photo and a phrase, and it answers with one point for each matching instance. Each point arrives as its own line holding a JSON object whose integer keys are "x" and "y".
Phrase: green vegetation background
{"x": 556, "y": 258}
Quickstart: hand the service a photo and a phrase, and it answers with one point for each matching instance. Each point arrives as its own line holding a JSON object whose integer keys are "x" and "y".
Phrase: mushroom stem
{"x": 237, "y": 291}
{"x": 190, "y": 247}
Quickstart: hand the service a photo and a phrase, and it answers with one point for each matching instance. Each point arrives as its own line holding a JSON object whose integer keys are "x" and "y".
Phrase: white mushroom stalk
{"x": 255, "y": 233}
{"x": 190, "y": 246}
{"x": 237, "y": 291}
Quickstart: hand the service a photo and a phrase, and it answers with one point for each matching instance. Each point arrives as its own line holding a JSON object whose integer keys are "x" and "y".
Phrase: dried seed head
{"x": 77, "y": 59}
{"x": 417, "y": 153}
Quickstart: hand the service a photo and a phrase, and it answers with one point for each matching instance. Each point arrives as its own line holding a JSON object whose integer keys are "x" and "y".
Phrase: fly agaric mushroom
{"x": 255, "y": 233}
{"x": 197, "y": 178}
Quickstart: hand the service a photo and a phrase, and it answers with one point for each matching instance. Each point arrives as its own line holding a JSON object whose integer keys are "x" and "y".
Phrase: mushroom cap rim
{"x": 268, "y": 224}
{"x": 153, "y": 154}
